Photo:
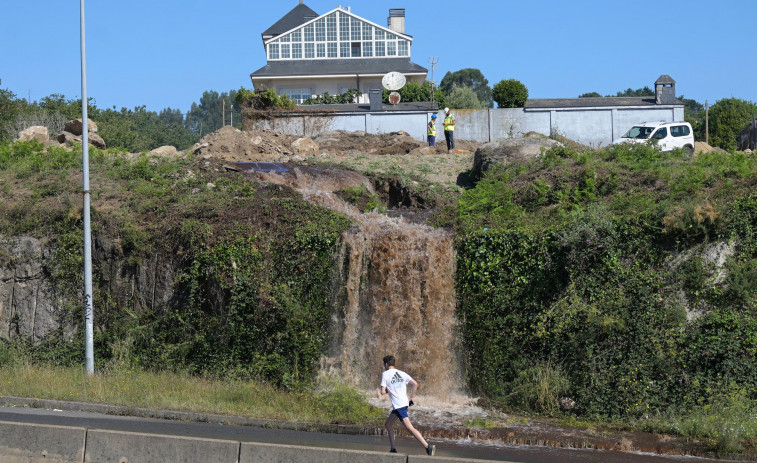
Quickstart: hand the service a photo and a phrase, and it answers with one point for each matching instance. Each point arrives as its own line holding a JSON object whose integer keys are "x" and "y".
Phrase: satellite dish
{"x": 393, "y": 81}
{"x": 394, "y": 98}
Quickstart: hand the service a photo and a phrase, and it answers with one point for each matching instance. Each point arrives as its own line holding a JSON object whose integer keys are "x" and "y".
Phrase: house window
{"x": 309, "y": 33}
{"x": 285, "y": 50}
{"x": 296, "y": 35}
{"x": 381, "y": 48}
{"x": 380, "y": 34}
{"x": 367, "y": 49}
{"x": 332, "y": 50}
{"x": 402, "y": 48}
{"x": 355, "y": 50}
{"x": 331, "y": 22}
{"x": 391, "y": 48}
{"x": 273, "y": 51}
{"x": 344, "y": 27}
{"x": 320, "y": 30}
{"x": 320, "y": 50}
{"x": 356, "y": 31}
{"x": 296, "y": 51}
{"x": 297, "y": 94}
{"x": 310, "y": 50}
{"x": 284, "y": 39}
{"x": 367, "y": 32}
{"x": 344, "y": 49}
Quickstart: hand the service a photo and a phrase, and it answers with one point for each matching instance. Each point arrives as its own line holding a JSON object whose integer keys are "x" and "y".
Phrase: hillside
{"x": 614, "y": 285}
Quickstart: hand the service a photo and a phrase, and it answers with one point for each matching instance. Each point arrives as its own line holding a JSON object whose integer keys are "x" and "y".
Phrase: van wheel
{"x": 688, "y": 150}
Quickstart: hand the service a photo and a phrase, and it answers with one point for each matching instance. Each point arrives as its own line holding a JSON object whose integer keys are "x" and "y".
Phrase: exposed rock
{"x": 508, "y": 150}
{"x": 304, "y": 146}
{"x": 424, "y": 150}
{"x": 67, "y": 138}
{"x": 96, "y": 140}
{"x": 167, "y": 151}
{"x": 75, "y": 126}
{"x": 37, "y": 132}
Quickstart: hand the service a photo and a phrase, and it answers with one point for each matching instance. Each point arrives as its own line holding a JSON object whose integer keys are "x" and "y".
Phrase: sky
{"x": 166, "y": 53}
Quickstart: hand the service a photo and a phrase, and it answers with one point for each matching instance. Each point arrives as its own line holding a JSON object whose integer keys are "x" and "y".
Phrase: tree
{"x": 693, "y": 113}
{"x": 463, "y": 97}
{"x": 469, "y": 77}
{"x": 590, "y": 95}
{"x": 727, "y": 118}
{"x": 10, "y": 108}
{"x": 646, "y": 91}
{"x": 510, "y": 93}
{"x": 208, "y": 115}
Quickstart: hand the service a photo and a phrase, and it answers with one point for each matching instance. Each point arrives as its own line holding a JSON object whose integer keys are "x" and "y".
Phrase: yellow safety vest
{"x": 448, "y": 123}
{"x": 432, "y": 128}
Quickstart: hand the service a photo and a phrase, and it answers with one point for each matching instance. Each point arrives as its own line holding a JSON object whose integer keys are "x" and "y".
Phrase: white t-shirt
{"x": 395, "y": 381}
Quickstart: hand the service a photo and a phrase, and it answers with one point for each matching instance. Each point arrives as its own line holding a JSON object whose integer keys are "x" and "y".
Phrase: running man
{"x": 394, "y": 382}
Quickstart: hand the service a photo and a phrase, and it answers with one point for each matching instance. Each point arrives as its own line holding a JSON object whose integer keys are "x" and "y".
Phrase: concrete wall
{"x": 35, "y": 443}
{"x": 596, "y": 127}
{"x": 29, "y": 443}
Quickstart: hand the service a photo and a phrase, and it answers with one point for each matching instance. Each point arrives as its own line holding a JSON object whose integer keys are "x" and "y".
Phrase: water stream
{"x": 394, "y": 292}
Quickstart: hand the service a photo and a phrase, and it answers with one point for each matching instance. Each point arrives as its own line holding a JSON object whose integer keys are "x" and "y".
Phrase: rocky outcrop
{"x": 37, "y": 132}
{"x": 32, "y": 307}
{"x": 304, "y": 146}
{"x": 508, "y": 150}
{"x": 76, "y": 126}
{"x": 167, "y": 151}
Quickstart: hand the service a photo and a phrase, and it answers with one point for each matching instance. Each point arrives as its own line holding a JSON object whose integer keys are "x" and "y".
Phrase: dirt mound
{"x": 342, "y": 142}
{"x": 702, "y": 147}
{"x": 234, "y": 145}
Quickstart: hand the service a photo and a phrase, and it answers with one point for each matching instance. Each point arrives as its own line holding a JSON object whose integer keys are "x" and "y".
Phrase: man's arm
{"x": 414, "y": 387}
{"x": 383, "y": 390}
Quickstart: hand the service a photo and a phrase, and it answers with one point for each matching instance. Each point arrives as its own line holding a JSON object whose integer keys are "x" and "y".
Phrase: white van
{"x": 666, "y": 135}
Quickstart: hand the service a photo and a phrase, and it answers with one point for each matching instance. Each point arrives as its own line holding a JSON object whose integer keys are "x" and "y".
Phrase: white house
{"x": 309, "y": 54}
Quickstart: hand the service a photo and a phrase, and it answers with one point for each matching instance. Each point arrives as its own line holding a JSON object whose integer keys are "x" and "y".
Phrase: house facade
{"x": 309, "y": 54}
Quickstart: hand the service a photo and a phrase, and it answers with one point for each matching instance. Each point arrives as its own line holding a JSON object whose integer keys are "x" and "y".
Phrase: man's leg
{"x": 390, "y": 428}
{"x": 452, "y": 138}
{"x": 409, "y": 426}
{"x": 447, "y": 134}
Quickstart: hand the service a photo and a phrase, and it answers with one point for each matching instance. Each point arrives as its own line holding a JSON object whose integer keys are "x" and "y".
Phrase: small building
{"x": 309, "y": 54}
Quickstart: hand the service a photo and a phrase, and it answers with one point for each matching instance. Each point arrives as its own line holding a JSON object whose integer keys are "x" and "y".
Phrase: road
{"x": 520, "y": 454}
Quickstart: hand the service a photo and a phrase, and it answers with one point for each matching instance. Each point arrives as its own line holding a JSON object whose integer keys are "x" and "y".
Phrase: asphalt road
{"x": 520, "y": 454}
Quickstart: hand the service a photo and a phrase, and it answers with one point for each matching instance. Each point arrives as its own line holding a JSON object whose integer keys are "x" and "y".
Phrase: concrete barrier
{"x": 35, "y": 443}
{"x": 437, "y": 459}
{"x": 124, "y": 447}
{"x": 265, "y": 453}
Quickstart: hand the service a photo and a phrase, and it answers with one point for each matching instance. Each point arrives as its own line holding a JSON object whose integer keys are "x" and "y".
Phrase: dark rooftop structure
{"x": 611, "y": 101}
{"x": 299, "y": 15}
{"x": 338, "y": 67}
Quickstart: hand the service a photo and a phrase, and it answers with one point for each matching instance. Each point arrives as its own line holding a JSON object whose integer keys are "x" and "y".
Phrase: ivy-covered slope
{"x": 622, "y": 281}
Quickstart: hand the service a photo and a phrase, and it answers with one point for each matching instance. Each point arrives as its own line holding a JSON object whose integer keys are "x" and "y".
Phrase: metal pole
{"x": 89, "y": 355}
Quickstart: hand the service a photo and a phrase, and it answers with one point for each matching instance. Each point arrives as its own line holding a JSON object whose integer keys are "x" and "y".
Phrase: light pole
{"x": 89, "y": 355}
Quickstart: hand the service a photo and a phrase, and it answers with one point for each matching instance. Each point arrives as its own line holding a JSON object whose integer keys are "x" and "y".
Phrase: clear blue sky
{"x": 165, "y": 53}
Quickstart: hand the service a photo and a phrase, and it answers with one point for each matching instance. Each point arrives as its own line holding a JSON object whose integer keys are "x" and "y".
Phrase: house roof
{"x": 664, "y": 80}
{"x": 362, "y": 66}
{"x": 543, "y": 103}
{"x": 298, "y": 16}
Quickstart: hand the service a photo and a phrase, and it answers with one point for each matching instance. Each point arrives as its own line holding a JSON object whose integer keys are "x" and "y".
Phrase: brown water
{"x": 394, "y": 292}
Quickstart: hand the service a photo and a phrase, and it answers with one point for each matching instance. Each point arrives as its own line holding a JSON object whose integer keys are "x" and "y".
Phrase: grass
{"x": 182, "y": 392}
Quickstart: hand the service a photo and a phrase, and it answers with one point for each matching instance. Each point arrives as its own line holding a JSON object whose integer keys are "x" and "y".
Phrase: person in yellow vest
{"x": 432, "y": 131}
{"x": 449, "y": 129}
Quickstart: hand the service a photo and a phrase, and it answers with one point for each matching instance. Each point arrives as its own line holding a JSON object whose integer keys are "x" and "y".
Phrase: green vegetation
{"x": 266, "y": 100}
{"x": 182, "y": 392}
{"x": 462, "y": 97}
{"x": 727, "y": 117}
{"x": 345, "y": 98}
{"x": 253, "y": 269}
{"x": 471, "y": 78}
{"x": 576, "y": 273}
{"x": 414, "y": 92}
{"x": 510, "y": 93}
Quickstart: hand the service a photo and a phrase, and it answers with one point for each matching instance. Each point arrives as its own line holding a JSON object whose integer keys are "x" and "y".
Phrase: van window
{"x": 679, "y": 130}
{"x": 638, "y": 132}
{"x": 661, "y": 133}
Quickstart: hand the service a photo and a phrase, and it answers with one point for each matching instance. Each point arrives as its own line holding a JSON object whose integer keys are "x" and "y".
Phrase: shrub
{"x": 510, "y": 93}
